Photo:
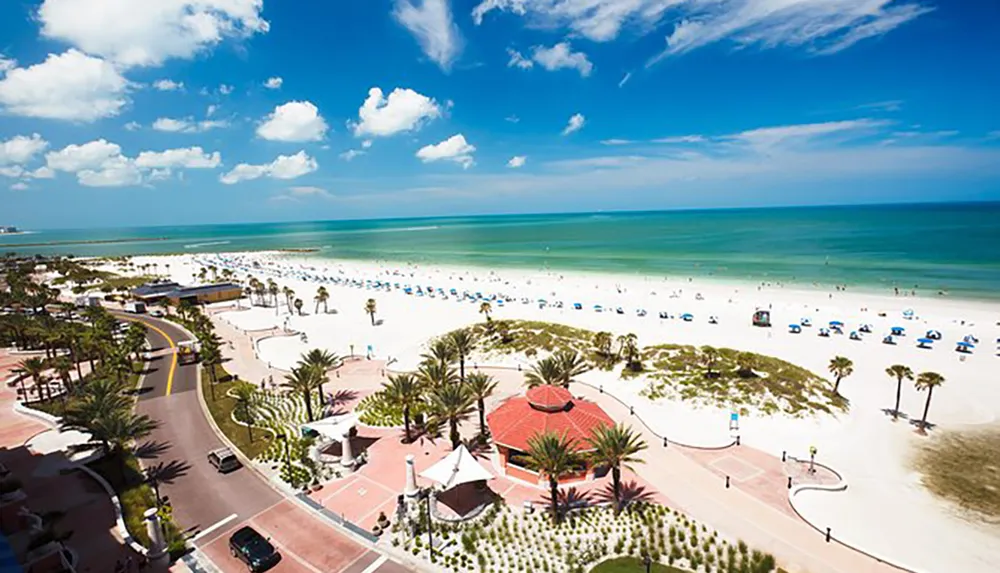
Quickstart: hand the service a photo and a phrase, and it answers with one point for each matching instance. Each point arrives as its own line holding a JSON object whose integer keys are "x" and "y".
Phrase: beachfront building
{"x": 175, "y": 293}
{"x": 543, "y": 409}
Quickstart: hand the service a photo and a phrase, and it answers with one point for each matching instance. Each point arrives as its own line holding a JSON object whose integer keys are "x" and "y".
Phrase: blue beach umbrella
{"x": 577, "y": 306}
{"x": 687, "y": 316}
{"x": 897, "y": 330}
{"x": 925, "y": 341}
{"x": 966, "y": 344}
{"x": 794, "y": 328}
{"x": 836, "y": 323}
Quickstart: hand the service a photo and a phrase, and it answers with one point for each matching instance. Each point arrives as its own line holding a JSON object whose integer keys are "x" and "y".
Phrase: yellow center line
{"x": 173, "y": 347}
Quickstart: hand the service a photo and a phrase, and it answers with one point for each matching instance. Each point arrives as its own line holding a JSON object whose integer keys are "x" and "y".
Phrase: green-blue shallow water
{"x": 951, "y": 247}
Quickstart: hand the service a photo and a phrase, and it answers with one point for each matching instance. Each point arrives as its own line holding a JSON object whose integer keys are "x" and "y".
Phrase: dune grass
{"x": 632, "y": 565}
{"x": 678, "y": 372}
{"x": 963, "y": 467}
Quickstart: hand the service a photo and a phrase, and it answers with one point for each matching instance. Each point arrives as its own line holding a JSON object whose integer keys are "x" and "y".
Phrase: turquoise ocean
{"x": 930, "y": 247}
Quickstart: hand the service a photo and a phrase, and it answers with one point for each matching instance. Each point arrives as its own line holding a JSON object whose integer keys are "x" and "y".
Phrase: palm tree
{"x": 434, "y": 374}
{"x": 245, "y": 396}
{"x": 273, "y": 290}
{"x": 629, "y": 347}
{"x": 545, "y": 371}
{"x": 404, "y": 390}
{"x": 118, "y": 430}
{"x": 32, "y": 368}
{"x": 900, "y": 372}
{"x": 745, "y": 363}
{"x": 614, "y": 447}
{"x": 602, "y": 343}
{"x": 451, "y": 403}
{"x": 571, "y": 365}
{"x": 63, "y": 366}
{"x": 321, "y": 297}
{"x": 555, "y": 456}
{"x": 440, "y": 351}
{"x": 321, "y": 361}
{"x": 486, "y": 308}
{"x": 708, "y": 357}
{"x": 298, "y": 305}
{"x": 927, "y": 381}
{"x": 303, "y": 379}
{"x": 481, "y": 386}
{"x": 462, "y": 342}
{"x": 841, "y": 368}
{"x": 135, "y": 340}
{"x": 289, "y": 297}
{"x": 165, "y": 303}
{"x": 370, "y": 309}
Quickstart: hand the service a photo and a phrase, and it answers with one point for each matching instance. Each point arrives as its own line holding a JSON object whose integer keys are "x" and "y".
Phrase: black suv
{"x": 251, "y": 548}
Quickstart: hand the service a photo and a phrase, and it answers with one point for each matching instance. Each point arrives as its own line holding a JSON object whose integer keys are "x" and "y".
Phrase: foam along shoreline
{"x": 884, "y": 510}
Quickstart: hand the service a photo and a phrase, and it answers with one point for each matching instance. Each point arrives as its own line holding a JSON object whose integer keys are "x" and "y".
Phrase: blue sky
{"x": 116, "y": 112}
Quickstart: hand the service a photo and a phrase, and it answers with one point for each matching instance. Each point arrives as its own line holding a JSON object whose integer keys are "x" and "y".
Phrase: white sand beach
{"x": 884, "y": 510}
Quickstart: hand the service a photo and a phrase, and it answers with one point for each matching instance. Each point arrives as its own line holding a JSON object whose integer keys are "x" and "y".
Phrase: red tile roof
{"x": 549, "y": 397}
{"x": 516, "y": 420}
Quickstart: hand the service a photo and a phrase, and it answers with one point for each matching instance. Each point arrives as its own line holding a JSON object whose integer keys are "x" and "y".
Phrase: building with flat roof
{"x": 175, "y": 293}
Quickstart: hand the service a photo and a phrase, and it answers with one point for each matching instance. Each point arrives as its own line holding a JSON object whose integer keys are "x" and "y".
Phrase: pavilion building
{"x": 543, "y": 409}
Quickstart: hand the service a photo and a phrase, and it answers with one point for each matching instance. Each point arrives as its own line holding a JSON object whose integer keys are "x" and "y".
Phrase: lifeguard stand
{"x": 762, "y": 318}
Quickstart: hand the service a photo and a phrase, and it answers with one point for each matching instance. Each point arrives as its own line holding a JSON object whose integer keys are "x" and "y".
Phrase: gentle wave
{"x": 211, "y": 244}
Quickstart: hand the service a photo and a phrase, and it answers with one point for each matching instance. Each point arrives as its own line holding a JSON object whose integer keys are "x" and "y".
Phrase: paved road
{"x": 207, "y": 505}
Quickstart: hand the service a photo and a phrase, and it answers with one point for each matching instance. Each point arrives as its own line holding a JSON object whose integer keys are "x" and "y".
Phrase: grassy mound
{"x": 964, "y": 468}
{"x": 770, "y": 386}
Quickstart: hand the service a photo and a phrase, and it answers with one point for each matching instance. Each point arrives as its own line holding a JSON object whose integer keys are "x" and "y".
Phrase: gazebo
{"x": 461, "y": 483}
{"x": 543, "y": 409}
{"x": 330, "y": 431}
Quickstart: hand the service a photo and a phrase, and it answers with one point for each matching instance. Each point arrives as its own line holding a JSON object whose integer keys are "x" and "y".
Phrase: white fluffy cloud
{"x": 19, "y": 186}
{"x": 187, "y": 125}
{"x": 517, "y": 161}
{"x": 517, "y": 60}
{"x": 70, "y": 86}
{"x": 404, "y": 110}
{"x": 284, "y": 167}
{"x": 167, "y": 85}
{"x": 12, "y": 171}
{"x": 351, "y": 154}
{"x": 431, "y": 23}
{"x": 294, "y": 121}
{"x": 561, "y": 56}
{"x": 190, "y": 158}
{"x": 225, "y": 89}
{"x": 21, "y": 148}
{"x": 148, "y": 32}
{"x": 100, "y": 163}
{"x": 273, "y": 83}
{"x": 575, "y": 123}
{"x": 822, "y": 26}
{"x": 455, "y": 148}
{"x": 90, "y": 155}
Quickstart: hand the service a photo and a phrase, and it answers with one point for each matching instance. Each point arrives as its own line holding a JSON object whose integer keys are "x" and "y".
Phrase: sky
{"x": 121, "y": 113}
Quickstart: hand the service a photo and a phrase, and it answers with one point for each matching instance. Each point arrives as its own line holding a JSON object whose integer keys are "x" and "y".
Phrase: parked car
{"x": 253, "y": 549}
{"x": 223, "y": 460}
{"x": 156, "y": 313}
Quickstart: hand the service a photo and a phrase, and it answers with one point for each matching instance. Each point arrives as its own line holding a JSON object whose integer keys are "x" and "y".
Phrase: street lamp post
{"x": 430, "y": 537}
{"x": 647, "y": 561}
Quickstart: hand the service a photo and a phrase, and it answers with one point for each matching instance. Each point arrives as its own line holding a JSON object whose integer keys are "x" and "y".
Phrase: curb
{"x": 22, "y": 408}
{"x": 119, "y": 520}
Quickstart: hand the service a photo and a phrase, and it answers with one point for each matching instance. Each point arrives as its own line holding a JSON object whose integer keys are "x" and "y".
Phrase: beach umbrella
{"x": 908, "y": 313}
{"x": 925, "y": 340}
{"x": 933, "y": 334}
{"x": 577, "y": 306}
{"x": 897, "y": 329}
{"x": 687, "y": 316}
{"x": 836, "y": 323}
{"x": 966, "y": 344}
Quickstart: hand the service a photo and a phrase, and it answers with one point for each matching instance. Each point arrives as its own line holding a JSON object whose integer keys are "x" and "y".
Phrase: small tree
{"x": 481, "y": 386}
{"x": 841, "y": 368}
{"x": 555, "y": 456}
{"x": 370, "y": 309}
{"x": 298, "y": 306}
{"x": 927, "y": 381}
{"x": 708, "y": 358}
{"x": 900, "y": 372}
{"x": 486, "y": 309}
{"x": 245, "y": 395}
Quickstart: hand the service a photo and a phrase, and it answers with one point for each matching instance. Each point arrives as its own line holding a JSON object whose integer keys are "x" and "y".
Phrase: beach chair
{"x": 855, "y": 335}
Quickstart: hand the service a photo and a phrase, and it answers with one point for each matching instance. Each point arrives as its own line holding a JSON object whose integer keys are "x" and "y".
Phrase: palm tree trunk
{"x": 554, "y": 493}
{"x": 309, "y": 409}
{"x": 616, "y": 482}
{"x": 461, "y": 371}
{"x": 249, "y": 428}
{"x": 482, "y": 418}
{"x": 899, "y": 391}
{"x": 836, "y": 385}
{"x": 456, "y": 439}
{"x": 406, "y": 423}
{"x": 373, "y": 318}
{"x": 927, "y": 407}
{"x": 322, "y": 399}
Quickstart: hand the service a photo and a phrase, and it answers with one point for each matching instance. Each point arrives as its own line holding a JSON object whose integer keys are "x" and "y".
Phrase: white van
{"x": 223, "y": 460}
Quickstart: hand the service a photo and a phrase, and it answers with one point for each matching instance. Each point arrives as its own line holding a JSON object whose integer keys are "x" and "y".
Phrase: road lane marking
{"x": 378, "y": 563}
{"x": 173, "y": 347}
{"x": 213, "y": 527}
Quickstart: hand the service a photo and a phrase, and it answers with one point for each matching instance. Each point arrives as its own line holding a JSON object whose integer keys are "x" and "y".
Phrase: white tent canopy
{"x": 456, "y": 468}
{"x": 334, "y": 427}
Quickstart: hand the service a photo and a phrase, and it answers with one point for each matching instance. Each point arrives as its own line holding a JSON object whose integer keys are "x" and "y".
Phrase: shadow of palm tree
{"x": 150, "y": 449}
{"x": 631, "y": 492}
{"x": 568, "y": 499}
{"x": 167, "y": 472}
{"x": 890, "y": 412}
